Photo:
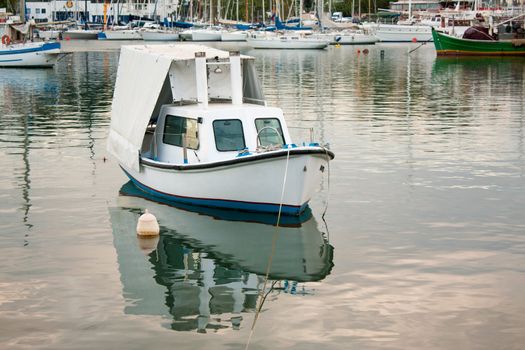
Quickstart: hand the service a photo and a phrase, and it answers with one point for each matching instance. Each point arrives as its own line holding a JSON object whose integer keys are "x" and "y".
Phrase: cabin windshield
{"x": 229, "y": 135}
{"x": 176, "y": 127}
{"x": 269, "y": 131}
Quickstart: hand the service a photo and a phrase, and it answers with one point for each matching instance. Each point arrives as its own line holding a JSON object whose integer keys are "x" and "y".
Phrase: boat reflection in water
{"x": 208, "y": 265}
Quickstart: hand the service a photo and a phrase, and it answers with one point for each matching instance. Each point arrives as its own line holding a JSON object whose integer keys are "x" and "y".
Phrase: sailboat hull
{"x": 279, "y": 43}
{"x": 403, "y": 33}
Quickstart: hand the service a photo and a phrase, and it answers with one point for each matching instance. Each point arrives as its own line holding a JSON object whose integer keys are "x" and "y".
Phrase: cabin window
{"x": 228, "y": 135}
{"x": 174, "y": 129}
{"x": 269, "y": 131}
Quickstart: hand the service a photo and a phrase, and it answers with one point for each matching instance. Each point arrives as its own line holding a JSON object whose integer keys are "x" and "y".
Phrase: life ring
{"x": 69, "y": 4}
{"x": 6, "y": 39}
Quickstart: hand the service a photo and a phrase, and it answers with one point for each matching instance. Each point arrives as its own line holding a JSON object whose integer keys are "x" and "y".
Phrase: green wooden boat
{"x": 447, "y": 45}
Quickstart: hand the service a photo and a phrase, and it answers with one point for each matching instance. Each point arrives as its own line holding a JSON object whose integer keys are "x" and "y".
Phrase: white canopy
{"x": 142, "y": 73}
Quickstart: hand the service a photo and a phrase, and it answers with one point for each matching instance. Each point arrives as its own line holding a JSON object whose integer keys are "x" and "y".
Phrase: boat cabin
{"x": 200, "y": 105}
{"x": 191, "y": 134}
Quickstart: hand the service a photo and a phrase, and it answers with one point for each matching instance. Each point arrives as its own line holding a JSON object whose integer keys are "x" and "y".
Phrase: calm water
{"x": 423, "y": 246}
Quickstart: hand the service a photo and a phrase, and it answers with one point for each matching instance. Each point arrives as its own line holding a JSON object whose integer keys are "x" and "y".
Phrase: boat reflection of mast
{"x": 409, "y": 121}
{"x": 26, "y": 184}
{"x": 91, "y": 143}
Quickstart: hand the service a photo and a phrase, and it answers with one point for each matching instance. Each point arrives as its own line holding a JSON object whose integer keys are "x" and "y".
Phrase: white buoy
{"x": 147, "y": 225}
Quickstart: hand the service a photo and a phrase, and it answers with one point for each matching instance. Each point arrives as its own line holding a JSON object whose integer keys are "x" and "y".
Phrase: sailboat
{"x": 289, "y": 40}
{"x": 410, "y": 32}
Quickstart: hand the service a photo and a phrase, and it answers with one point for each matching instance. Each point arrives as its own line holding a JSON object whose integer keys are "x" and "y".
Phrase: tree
{"x": 11, "y": 5}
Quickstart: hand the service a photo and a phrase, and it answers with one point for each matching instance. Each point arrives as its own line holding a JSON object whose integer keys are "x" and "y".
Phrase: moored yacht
{"x": 403, "y": 32}
{"x": 286, "y": 40}
{"x": 201, "y": 132}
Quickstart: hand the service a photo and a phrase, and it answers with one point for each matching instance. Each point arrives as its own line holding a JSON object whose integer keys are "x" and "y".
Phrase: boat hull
{"x": 233, "y": 36}
{"x": 355, "y": 39}
{"x": 447, "y": 45}
{"x": 120, "y": 35}
{"x": 80, "y": 34}
{"x": 205, "y": 35}
{"x": 30, "y": 55}
{"x": 276, "y": 43}
{"x": 160, "y": 36}
{"x": 49, "y": 34}
{"x": 253, "y": 183}
{"x": 403, "y": 33}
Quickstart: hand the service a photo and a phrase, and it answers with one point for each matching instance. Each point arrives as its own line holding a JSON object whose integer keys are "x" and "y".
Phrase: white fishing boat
{"x": 238, "y": 35}
{"x": 39, "y": 54}
{"x": 354, "y": 37}
{"x": 159, "y": 35}
{"x": 403, "y": 33}
{"x": 125, "y": 34}
{"x": 194, "y": 128}
{"x": 265, "y": 40}
{"x": 16, "y": 51}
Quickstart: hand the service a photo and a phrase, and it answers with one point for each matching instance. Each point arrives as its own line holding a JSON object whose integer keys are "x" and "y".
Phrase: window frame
{"x": 215, "y": 135}
{"x": 258, "y": 140}
{"x": 184, "y": 127}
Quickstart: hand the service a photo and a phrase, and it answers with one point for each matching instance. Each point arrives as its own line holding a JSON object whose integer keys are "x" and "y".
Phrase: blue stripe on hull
{"x": 44, "y": 47}
{"x": 17, "y": 60}
{"x": 221, "y": 203}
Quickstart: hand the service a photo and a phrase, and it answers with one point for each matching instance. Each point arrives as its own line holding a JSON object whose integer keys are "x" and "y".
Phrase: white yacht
{"x": 292, "y": 40}
{"x": 194, "y": 128}
{"x": 402, "y": 33}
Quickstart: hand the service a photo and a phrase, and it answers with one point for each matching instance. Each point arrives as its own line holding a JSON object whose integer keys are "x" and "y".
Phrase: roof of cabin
{"x": 181, "y": 51}
{"x": 213, "y": 107}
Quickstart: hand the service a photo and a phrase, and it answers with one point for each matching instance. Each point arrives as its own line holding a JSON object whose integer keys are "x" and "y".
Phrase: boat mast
{"x": 22, "y": 5}
{"x": 263, "y": 13}
{"x": 85, "y": 15}
{"x": 301, "y": 12}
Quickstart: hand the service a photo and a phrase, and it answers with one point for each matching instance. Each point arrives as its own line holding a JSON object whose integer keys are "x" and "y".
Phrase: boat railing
{"x": 259, "y": 147}
{"x": 310, "y": 131}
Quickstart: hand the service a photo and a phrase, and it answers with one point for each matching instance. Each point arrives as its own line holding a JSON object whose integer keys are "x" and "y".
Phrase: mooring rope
{"x": 327, "y": 192}
{"x": 270, "y": 258}
{"x": 424, "y": 43}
